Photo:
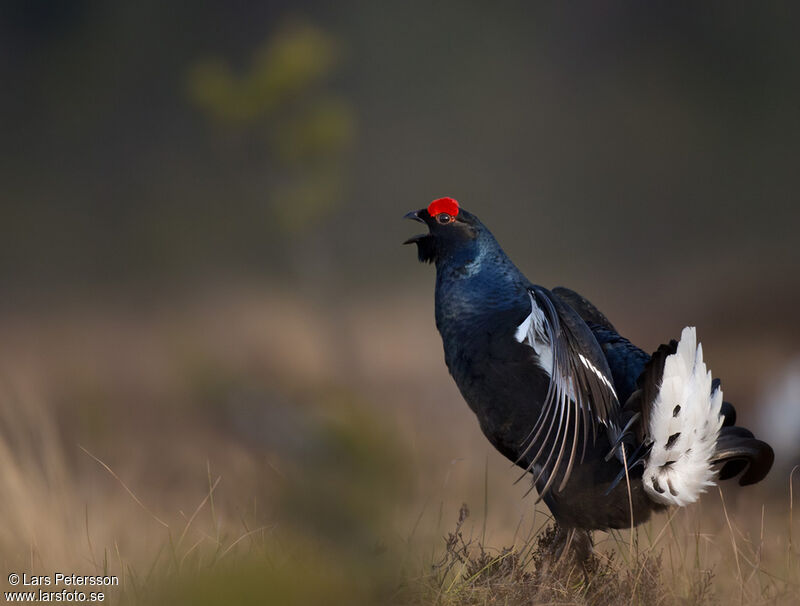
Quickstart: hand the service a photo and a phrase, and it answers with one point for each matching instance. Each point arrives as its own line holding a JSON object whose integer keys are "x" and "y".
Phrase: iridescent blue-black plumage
{"x": 554, "y": 386}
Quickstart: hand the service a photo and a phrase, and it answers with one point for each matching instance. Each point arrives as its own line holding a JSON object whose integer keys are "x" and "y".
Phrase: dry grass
{"x": 532, "y": 573}
{"x": 684, "y": 568}
{"x": 239, "y": 450}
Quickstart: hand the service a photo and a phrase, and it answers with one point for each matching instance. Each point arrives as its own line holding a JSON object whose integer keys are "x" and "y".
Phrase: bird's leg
{"x": 574, "y": 542}
{"x": 582, "y": 546}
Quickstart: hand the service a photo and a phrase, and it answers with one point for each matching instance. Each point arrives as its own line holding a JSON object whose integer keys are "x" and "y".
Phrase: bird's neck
{"x": 480, "y": 284}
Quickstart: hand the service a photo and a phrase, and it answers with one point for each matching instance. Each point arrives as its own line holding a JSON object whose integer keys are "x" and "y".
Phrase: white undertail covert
{"x": 684, "y": 425}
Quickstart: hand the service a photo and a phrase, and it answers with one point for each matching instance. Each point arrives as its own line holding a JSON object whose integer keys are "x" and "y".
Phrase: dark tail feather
{"x": 728, "y": 411}
{"x": 738, "y": 451}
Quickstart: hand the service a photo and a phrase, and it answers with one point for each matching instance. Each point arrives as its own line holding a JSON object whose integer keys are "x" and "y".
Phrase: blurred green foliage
{"x": 349, "y": 478}
{"x": 293, "y": 60}
{"x": 283, "y": 100}
{"x": 317, "y": 581}
{"x": 340, "y": 484}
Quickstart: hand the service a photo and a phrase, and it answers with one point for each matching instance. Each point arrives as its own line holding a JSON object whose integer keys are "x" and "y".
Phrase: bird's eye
{"x": 444, "y": 218}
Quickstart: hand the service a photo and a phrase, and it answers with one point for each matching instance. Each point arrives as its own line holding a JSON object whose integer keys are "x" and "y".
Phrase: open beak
{"x": 414, "y": 216}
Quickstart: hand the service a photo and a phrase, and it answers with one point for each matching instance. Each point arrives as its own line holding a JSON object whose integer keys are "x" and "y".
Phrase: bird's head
{"x": 452, "y": 231}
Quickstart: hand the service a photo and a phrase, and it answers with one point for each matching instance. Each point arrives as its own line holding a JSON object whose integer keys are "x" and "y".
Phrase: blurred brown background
{"x": 200, "y": 237}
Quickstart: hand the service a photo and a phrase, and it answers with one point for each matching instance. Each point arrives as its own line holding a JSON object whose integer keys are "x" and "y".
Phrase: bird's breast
{"x": 499, "y": 379}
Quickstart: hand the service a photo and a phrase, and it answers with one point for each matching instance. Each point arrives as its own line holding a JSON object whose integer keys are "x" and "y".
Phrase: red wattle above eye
{"x": 443, "y": 205}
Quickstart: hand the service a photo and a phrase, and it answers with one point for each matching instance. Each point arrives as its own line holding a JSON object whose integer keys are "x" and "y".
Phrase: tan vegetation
{"x": 250, "y": 448}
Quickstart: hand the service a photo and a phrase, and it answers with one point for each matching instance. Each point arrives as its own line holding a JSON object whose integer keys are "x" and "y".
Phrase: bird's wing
{"x": 581, "y": 393}
{"x": 586, "y": 310}
{"x": 626, "y": 361}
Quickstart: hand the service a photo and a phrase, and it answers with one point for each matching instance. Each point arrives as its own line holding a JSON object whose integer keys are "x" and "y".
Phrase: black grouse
{"x": 561, "y": 394}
